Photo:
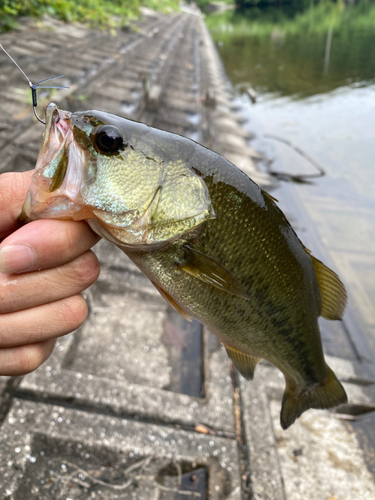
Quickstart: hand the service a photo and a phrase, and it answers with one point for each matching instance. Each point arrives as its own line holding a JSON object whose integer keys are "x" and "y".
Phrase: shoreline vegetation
{"x": 106, "y": 14}
{"x": 114, "y": 14}
{"x": 301, "y": 52}
{"x": 94, "y": 13}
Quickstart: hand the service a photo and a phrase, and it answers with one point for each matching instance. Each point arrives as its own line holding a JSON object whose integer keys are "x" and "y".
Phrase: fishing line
{"x": 35, "y": 86}
{"x": 301, "y": 178}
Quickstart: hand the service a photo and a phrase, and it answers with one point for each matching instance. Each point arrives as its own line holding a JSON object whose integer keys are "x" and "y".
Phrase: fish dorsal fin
{"x": 270, "y": 196}
{"x": 172, "y": 302}
{"x": 209, "y": 271}
{"x": 332, "y": 291}
{"x": 245, "y": 363}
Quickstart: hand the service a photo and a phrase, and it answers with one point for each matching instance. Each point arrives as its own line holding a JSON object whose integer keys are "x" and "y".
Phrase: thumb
{"x": 13, "y": 190}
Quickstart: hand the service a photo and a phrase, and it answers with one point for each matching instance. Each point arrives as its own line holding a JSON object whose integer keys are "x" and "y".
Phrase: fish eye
{"x": 108, "y": 139}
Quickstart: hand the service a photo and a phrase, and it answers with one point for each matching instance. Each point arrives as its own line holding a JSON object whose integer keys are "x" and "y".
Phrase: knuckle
{"x": 13, "y": 188}
{"x": 74, "y": 237}
{"x": 78, "y": 274}
{"x": 9, "y": 180}
{"x": 75, "y": 312}
{"x": 3, "y": 333}
{"x": 32, "y": 356}
{"x": 68, "y": 240}
{"x": 8, "y": 301}
{"x": 87, "y": 268}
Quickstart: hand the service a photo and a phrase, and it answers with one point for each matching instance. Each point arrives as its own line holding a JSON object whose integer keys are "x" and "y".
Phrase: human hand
{"x": 44, "y": 266}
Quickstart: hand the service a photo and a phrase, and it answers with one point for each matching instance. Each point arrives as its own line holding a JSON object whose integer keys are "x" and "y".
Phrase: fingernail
{"x": 17, "y": 259}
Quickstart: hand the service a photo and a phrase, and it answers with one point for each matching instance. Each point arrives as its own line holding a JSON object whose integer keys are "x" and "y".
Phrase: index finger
{"x": 13, "y": 190}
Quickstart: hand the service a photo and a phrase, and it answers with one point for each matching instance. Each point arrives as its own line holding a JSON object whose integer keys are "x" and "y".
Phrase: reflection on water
{"x": 314, "y": 73}
{"x": 324, "y": 47}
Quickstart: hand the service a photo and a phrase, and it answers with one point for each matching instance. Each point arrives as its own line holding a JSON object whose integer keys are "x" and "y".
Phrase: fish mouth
{"x": 58, "y": 176}
{"x": 56, "y": 139}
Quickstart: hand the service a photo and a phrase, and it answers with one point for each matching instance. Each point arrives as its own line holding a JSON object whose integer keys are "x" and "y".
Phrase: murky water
{"x": 314, "y": 74}
{"x": 316, "y": 51}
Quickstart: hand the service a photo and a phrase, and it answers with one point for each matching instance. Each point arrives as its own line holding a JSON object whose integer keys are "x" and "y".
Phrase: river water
{"x": 314, "y": 75}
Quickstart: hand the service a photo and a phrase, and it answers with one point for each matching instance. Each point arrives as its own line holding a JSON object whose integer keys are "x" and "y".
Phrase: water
{"x": 314, "y": 74}
{"x": 316, "y": 51}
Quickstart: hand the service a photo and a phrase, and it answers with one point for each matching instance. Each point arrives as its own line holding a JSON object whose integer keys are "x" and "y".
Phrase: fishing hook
{"x": 35, "y": 86}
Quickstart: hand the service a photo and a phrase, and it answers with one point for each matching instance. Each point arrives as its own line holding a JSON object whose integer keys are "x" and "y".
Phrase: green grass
{"x": 286, "y": 53}
{"x": 161, "y": 5}
{"x": 95, "y": 13}
{"x": 317, "y": 19}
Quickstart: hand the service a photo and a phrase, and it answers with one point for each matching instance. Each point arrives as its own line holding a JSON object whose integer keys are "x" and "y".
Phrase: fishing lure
{"x": 35, "y": 86}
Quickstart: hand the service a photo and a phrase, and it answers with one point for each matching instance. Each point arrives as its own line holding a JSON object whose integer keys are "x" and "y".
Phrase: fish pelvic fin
{"x": 327, "y": 394}
{"x": 332, "y": 291}
{"x": 245, "y": 363}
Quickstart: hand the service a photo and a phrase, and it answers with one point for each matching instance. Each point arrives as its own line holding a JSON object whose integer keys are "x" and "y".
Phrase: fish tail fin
{"x": 327, "y": 394}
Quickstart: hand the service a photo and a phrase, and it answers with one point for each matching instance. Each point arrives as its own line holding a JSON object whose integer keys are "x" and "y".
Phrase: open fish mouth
{"x": 92, "y": 166}
{"x": 58, "y": 177}
{"x": 57, "y": 136}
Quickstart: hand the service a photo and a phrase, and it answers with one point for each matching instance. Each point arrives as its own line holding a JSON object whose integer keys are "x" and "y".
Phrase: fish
{"x": 214, "y": 244}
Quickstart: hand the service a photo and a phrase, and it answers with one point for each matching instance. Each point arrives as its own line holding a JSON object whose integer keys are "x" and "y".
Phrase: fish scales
{"x": 236, "y": 240}
{"x": 213, "y": 243}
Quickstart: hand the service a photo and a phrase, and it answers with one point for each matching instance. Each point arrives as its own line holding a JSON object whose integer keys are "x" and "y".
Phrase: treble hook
{"x": 34, "y": 86}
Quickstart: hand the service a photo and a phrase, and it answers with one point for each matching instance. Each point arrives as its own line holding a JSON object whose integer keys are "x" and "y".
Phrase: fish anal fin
{"x": 172, "y": 302}
{"x": 245, "y": 363}
{"x": 325, "y": 395}
{"x": 332, "y": 291}
{"x": 211, "y": 272}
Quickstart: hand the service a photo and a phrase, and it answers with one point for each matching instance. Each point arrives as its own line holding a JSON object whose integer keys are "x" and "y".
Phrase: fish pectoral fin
{"x": 245, "y": 363}
{"x": 209, "y": 271}
{"x": 172, "y": 302}
{"x": 332, "y": 291}
{"x": 325, "y": 395}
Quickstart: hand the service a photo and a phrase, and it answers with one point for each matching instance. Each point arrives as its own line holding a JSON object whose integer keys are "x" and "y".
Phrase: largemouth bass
{"x": 214, "y": 244}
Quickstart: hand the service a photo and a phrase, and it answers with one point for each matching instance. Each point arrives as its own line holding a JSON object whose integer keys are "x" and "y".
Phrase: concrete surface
{"x": 138, "y": 403}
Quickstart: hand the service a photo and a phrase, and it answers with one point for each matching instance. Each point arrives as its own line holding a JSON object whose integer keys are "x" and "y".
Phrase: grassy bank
{"x": 316, "y": 19}
{"x": 96, "y": 13}
{"x": 328, "y": 45}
